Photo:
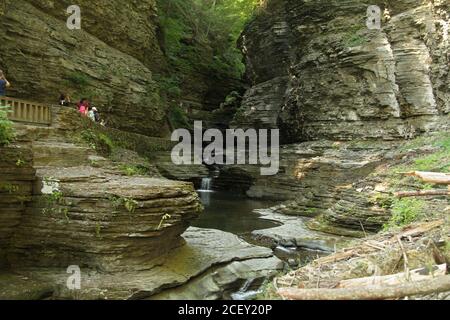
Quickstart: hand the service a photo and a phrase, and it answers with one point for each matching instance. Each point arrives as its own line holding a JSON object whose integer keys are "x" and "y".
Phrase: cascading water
{"x": 205, "y": 191}
{"x": 244, "y": 293}
{"x": 206, "y": 184}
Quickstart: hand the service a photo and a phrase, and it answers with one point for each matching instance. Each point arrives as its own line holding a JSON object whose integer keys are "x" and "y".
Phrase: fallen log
{"x": 339, "y": 256}
{"x": 421, "y": 229}
{"x": 430, "y": 177}
{"x": 367, "y": 248}
{"x": 424, "y": 193}
{"x": 373, "y": 292}
{"x": 396, "y": 279}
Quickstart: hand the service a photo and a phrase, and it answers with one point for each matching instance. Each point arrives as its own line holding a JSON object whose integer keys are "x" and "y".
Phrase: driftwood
{"x": 421, "y": 229}
{"x": 424, "y": 193}
{"x": 396, "y": 279}
{"x": 371, "y": 247}
{"x": 372, "y": 292}
{"x": 336, "y": 257}
{"x": 430, "y": 177}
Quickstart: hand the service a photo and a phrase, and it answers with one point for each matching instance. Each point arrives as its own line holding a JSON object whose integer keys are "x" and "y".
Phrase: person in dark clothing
{"x": 3, "y": 84}
{"x": 64, "y": 100}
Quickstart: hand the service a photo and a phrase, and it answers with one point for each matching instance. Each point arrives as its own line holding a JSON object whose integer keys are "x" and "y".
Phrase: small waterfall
{"x": 206, "y": 184}
{"x": 205, "y": 191}
{"x": 244, "y": 293}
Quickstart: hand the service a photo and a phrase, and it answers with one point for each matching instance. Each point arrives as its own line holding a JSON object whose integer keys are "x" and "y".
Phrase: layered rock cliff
{"x": 43, "y": 58}
{"x": 64, "y": 204}
{"x": 344, "y": 98}
{"x": 120, "y": 60}
{"x": 325, "y": 75}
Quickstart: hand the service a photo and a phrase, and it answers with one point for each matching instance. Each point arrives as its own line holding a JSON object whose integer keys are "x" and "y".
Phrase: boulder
{"x": 89, "y": 217}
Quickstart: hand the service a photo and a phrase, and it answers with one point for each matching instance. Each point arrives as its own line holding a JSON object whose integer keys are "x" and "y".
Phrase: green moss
{"x": 78, "y": 79}
{"x": 427, "y": 153}
{"x": 311, "y": 212}
{"x": 383, "y": 201}
{"x": 405, "y": 211}
{"x": 354, "y": 37}
{"x": 178, "y": 118}
{"x": 170, "y": 85}
{"x": 9, "y": 188}
{"x": 106, "y": 140}
{"x": 100, "y": 142}
{"x": 20, "y": 163}
{"x": 133, "y": 170}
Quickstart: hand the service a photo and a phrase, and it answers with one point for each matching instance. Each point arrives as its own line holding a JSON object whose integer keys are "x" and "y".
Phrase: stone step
{"x": 59, "y": 154}
{"x": 29, "y": 133}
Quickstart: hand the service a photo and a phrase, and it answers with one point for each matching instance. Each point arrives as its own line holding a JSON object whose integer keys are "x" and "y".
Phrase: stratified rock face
{"x": 318, "y": 72}
{"x": 320, "y": 75}
{"x": 43, "y": 58}
{"x": 79, "y": 209}
{"x": 129, "y": 26}
{"x": 212, "y": 265}
{"x": 16, "y": 182}
{"x": 87, "y": 217}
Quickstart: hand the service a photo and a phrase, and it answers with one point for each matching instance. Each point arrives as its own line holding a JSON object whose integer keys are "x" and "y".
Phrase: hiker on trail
{"x": 96, "y": 114}
{"x": 91, "y": 114}
{"x": 64, "y": 100}
{"x": 3, "y": 84}
{"x": 83, "y": 107}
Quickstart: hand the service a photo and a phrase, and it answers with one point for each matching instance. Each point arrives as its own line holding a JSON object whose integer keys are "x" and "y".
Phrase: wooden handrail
{"x": 27, "y": 111}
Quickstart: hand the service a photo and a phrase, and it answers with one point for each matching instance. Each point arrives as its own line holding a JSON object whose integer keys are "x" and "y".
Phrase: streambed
{"x": 237, "y": 214}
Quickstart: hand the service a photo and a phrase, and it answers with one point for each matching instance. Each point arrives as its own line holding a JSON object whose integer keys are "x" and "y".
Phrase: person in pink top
{"x": 83, "y": 107}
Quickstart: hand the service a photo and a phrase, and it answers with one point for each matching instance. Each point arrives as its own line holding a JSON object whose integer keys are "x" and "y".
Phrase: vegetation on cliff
{"x": 201, "y": 35}
{"x": 6, "y": 128}
{"x": 199, "y": 40}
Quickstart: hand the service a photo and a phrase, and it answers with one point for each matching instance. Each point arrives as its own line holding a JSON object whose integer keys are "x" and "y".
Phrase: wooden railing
{"x": 26, "y": 111}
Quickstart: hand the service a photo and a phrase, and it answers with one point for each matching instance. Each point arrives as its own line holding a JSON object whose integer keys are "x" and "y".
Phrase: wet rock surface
{"x": 238, "y": 280}
{"x": 294, "y": 233}
{"x": 207, "y": 253}
{"x": 126, "y": 233}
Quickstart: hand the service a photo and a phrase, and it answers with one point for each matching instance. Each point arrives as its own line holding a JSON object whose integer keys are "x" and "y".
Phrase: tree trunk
{"x": 375, "y": 292}
{"x": 424, "y": 193}
{"x": 431, "y": 177}
{"x": 396, "y": 279}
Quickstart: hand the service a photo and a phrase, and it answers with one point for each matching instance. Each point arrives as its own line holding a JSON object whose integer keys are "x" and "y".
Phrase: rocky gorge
{"x": 356, "y": 108}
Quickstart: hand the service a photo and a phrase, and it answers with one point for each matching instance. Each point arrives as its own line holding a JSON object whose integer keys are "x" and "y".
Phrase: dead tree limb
{"x": 424, "y": 193}
{"x": 396, "y": 279}
{"x": 430, "y": 177}
{"x": 374, "y": 292}
{"x": 418, "y": 230}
